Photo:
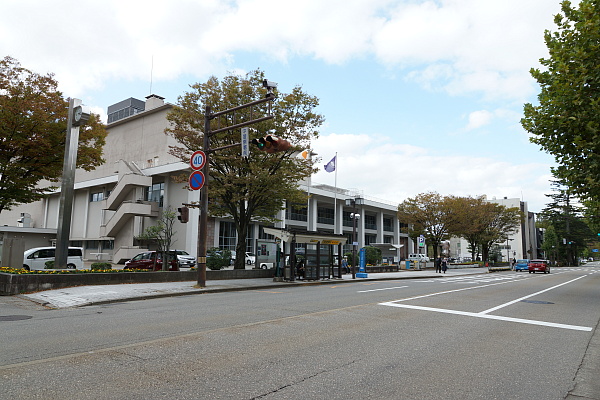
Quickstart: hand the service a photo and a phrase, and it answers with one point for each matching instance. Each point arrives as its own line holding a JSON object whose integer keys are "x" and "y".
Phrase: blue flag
{"x": 330, "y": 166}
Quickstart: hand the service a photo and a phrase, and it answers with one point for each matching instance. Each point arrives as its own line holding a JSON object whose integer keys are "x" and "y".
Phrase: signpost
{"x": 245, "y": 141}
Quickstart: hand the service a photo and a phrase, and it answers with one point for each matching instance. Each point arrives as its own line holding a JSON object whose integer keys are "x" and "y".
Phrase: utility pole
{"x": 208, "y": 116}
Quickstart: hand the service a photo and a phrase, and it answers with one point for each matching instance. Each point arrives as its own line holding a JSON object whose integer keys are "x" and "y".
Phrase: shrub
{"x": 217, "y": 259}
{"x": 101, "y": 266}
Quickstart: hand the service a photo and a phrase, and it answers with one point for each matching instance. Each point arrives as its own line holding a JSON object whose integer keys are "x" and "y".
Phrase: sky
{"x": 418, "y": 96}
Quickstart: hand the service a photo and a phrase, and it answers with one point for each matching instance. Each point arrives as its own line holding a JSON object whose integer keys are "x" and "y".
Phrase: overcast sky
{"x": 418, "y": 96}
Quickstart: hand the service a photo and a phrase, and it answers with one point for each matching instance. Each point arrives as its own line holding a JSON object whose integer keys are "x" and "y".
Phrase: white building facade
{"x": 114, "y": 203}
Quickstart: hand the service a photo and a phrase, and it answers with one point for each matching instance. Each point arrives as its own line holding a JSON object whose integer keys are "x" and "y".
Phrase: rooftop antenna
{"x": 151, "y": 72}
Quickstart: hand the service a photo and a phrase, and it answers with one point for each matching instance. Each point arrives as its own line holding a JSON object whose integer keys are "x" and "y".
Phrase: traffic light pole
{"x": 203, "y": 228}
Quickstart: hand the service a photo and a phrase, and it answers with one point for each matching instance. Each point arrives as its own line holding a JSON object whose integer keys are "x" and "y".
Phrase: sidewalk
{"x": 100, "y": 294}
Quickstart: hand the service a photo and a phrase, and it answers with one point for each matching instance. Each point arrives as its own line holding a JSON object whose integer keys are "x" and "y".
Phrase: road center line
{"x": 528, "y": 296}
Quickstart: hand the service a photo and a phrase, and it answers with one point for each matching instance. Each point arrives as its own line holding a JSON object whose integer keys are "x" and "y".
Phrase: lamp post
{"x": 358, "y": 201}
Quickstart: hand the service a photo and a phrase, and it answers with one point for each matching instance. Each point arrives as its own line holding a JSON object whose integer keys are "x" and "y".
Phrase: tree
{"x": 427, "y": 214}
{"x": 162, "y": 234}
{"x": 33, "y": 125}
{"x": 256, "y": 188}
{"x": 566, "y": 123}
{"x": 469, "y": 219}
{"x": 568, "y": 224}
{"x": 500, "y": 222}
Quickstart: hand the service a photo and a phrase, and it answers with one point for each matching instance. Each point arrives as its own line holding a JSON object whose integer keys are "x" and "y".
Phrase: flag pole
{"x": 335, "y": 227}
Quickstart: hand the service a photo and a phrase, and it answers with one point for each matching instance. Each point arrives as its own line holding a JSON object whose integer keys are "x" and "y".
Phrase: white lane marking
{"x": 487, "y": 316}
{"x": 528, "y": 296}
{"x": 376, "y": 290}
{"x": 484, "y": 314}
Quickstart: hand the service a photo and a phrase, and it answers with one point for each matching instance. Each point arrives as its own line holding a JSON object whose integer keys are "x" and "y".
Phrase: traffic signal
{"x": 184, "y": 214}
{"x": 271, "y": 144}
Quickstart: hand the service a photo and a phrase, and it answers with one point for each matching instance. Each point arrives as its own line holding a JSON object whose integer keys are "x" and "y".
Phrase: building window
{"x": 370, "y": 239}
{"x": 325, "y": 215}
{"x": 370, "y": 222}
{"x": 387, "y": 224}
{"x": 227, "y": 235}
{"x": 156, "y": 193}
{"x": 250, "y": 239}
{"x": 388, "y": 239}
{"x": 98, "y": 196}
{"x": 263, "y": 235}
{"x": 297, "y": 213}
{"x": 346, "y": 220}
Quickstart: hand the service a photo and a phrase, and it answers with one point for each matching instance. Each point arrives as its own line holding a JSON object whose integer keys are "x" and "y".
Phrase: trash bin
{"x": 407, "y": 264}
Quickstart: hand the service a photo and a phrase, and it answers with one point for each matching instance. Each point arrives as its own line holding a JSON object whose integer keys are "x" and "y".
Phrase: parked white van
{"x": 36, "y": 258}
{"x": 418, "y": 257}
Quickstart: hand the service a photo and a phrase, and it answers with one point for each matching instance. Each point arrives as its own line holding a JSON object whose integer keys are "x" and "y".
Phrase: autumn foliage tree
{"x": 33, "y": 126}
{"x": 478, "y": 221}
{"x": 427, "y": 214}
{"x": 254, "y": 188}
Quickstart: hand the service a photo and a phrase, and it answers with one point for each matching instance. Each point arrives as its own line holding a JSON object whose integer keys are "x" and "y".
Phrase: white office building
{"x": 114, "y": 203}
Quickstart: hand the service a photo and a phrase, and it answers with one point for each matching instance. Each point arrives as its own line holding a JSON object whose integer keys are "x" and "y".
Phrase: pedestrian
{"x": 345, "y": 266}
{"x": 444, "y": 265}
{"x": 513, "y": 263}
{"x": 300, "y": 269}
{"x": 438, "y": 265}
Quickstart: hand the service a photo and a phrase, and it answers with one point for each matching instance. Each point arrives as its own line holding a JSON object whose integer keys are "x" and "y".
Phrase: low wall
{"x": 11, "y": 284}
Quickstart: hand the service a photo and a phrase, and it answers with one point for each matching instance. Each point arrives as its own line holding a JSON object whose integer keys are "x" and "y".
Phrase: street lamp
{"x": 359, "y": 201}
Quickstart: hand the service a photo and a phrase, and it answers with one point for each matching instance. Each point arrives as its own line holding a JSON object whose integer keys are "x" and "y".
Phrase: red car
{"x": 150, "y": 260}
{"x": 538, "y": 266}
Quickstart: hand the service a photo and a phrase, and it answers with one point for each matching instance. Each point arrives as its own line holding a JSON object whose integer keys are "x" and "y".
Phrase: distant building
{"x": 523, "y": 244}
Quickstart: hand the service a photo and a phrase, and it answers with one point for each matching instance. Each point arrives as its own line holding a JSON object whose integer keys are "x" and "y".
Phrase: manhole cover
{"x": 14, "y": 317}
{"x": 537, "y": 302}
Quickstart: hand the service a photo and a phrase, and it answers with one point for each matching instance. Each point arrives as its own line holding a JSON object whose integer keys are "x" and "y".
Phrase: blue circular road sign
{"x": 196, "y": 180}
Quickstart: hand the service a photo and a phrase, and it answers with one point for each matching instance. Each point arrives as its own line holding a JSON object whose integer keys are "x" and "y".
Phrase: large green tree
{"x": 427, "y": 214}
{"x": 566, "y": 123}
{"x": 566, "y": 217}
{"x": 254, "y": 188}
{"x": 33, "y": 126}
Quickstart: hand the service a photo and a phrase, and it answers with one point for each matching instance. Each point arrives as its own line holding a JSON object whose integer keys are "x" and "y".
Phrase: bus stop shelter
{"x": 318, "y": 264}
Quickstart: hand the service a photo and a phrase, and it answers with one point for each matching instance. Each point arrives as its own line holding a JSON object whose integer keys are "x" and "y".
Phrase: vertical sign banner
{"x": 245, "y": 143}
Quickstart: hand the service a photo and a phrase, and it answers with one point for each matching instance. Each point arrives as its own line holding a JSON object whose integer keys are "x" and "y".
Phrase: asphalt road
{"x": 491, "y": 336}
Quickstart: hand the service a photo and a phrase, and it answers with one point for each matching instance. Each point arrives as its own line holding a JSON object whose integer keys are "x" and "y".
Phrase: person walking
{"x": 444, "y": 264}
{"x": 438, "y": 265}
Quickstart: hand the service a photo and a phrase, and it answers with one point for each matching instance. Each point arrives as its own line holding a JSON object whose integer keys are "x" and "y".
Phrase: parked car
{"x": 250, "y": 258}
{"x": 36, "y": 258}
{"x": 538, "y": 266}
{"x": 184, "y": 259}
{"x": 150, "y": 260}
{"x": 418, "y": 257}
{"x": 522, "y": 265}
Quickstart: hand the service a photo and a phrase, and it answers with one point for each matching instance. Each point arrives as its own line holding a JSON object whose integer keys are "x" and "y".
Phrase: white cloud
{"x": 396, "y": 172}
{"x": 477, "y": 119}
{"x": 461, "y": 46}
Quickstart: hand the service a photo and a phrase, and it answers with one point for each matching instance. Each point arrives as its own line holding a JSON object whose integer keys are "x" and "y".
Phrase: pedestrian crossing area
{"x": 504, "y": 277}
